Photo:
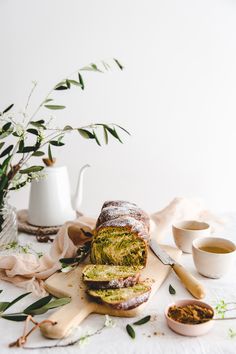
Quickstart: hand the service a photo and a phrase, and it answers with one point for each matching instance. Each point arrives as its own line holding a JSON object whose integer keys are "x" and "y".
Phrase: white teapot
{"x": 50, "y": 201}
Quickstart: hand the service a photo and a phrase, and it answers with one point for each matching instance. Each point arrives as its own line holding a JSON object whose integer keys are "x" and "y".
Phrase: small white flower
{"x": 109, "y": 322}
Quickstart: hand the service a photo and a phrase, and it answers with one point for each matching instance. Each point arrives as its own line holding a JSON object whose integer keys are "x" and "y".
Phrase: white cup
{"x": 188, "y": 230}
{"x": 210, "y": 264}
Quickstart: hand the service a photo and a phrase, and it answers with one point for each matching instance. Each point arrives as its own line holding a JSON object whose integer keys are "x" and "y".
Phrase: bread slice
{"x": 98, "y": 276}
{"x": 123, "y": 299}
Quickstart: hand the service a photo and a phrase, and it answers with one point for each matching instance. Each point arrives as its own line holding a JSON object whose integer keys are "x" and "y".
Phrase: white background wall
{"x": 177, "y": 94}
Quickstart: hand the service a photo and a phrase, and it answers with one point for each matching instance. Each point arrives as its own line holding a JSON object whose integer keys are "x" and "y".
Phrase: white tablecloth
{"x": 153, "y": 337}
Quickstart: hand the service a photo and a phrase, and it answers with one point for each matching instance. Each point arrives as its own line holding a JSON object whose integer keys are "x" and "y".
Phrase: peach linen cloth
{"x": 28, "y": 271}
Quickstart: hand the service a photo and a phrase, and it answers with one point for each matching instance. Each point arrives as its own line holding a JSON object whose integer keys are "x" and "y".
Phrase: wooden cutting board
{"x": 71, "y": 284}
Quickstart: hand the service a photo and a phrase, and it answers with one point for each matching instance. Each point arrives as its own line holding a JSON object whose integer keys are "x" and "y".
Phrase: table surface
{"x": 154, "y": 336}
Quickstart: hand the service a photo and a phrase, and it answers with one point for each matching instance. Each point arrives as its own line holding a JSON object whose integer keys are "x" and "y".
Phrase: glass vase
{"x": 8, "y": 225}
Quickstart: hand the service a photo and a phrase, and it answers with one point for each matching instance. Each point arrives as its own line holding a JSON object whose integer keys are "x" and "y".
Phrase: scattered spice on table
{"x": 190, "y": 314}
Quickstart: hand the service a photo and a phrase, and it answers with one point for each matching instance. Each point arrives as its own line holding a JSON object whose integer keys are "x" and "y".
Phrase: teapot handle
{"x": 79, "y": 189}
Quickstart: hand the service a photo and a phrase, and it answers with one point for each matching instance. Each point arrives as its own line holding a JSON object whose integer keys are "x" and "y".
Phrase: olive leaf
{"x": 17, "y": 318}
{"x": 56, "y": 143}
{"x": 7, "y": 109}
{"x": 105, "y": 135}
{"x": 74, "y": 82}
{"x": 96, "y": 138}
{"x": 142, "y": 321}
{"x": 113, "y": 132}
{"x": 130, "y": 331}
{"x": 118, "y": 63}
{"x": 38, "y": 304}
{"x": 172, "y": 290}
{"x": 50, "y": 153}
{"x": 38, "y": 124}
{"x": 33, "y": 131}
{"x": 54, "y": 107}
{"x": 6, "y": 126}
{"x": 17, "y": 299}
{"x": 85, "y": 133}
{"x": 3, "y": 306}
{"x": 2, "y": 144}
{"x": 81, "y": 81}
{"x": 31, "y": 169}
{"x": 6, "y": 151}
{"x": 38, "y": 153}
{"x": 67, "y": 127}
{"x": 50, "y": 305}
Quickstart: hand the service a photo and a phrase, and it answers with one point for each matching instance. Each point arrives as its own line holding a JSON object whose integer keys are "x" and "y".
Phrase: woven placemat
{"x": 24, "y": 226}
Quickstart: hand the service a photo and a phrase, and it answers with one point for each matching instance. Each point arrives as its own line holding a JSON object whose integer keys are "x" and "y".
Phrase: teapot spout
{"x": 79, "y": 189}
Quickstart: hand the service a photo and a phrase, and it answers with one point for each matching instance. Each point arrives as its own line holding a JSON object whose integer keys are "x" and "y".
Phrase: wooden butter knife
{"x": 191, "y": 283}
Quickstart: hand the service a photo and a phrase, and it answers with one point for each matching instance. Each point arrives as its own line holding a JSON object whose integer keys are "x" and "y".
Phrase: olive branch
{"x": 27, "y": 138}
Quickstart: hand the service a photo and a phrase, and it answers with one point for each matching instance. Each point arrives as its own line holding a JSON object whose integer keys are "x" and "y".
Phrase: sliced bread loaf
{"x": 98, "y": 276}
{"x": 124, "y": 298}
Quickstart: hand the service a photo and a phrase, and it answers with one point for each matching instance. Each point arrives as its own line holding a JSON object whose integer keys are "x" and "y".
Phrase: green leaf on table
{"x": 54, "y": 107}
{"x": 3, "y": 306}
{"x": 172, "y": 291}
{"x": 31, "y": 169}
{"x": 1, "y": 291}
{"x": 51, "y": 305}
{"x": 38, "y": 153}
{"x": 18, "y": 298}
{"x": 16, "y": 318}
{"x": 118, "y": 64}
{"x": 142, "y": 321}
{"x": 81, "y": 81}
{"x": 33, "y": 131}
{"x": 85, "y": 133}
{"x": 130, "y": 331}
{"x": 6, "y": 151}
{"x": 6, "y": 127}
{"x": 38, "y": 304}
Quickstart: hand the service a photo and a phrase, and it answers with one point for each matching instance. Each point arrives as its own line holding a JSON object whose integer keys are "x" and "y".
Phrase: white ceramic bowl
{"x": 185, "y": 232}
{"x": 191, "y": 330}
{"x": 213, "y": 265}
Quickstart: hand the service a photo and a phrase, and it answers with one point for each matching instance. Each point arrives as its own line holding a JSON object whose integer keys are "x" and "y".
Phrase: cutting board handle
{"x": 191, "y": 283}
{"x": 67, "y": 318}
